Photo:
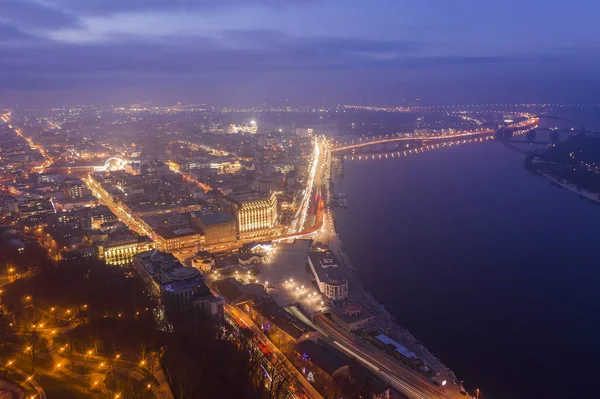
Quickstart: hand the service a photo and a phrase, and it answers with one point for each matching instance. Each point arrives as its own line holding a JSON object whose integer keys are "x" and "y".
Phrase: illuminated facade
{"x": 251, "y": 128}
{"x": 255, "y": 215}
{"x": 331, "y": 279}
{"x": 121, "y": 252}
{"x": 170, "y": 239}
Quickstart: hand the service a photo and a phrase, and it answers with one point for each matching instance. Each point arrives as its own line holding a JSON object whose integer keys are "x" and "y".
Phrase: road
{"x": 41, "y": 394}
{"x": 530, "y": 121}
{"x": 118, "y": 209}
{"x": 47, "y": 159}
{"x": 317, "y": 156}
{"x": 375, "y": 141}
{"x": 406, "y": 380}
{"x": 305, "y": 389}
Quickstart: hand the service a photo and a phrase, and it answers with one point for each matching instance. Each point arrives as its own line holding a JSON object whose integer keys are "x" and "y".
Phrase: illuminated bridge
{"x": 386, "y": 139}
{"x": 529, "y": 123}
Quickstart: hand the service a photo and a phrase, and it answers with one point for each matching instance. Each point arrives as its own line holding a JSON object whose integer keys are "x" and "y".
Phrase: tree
{"x": 33, "y": 349}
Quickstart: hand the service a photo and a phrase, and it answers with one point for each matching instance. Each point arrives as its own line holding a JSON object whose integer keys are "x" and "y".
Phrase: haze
{"x": 247, "y": 52}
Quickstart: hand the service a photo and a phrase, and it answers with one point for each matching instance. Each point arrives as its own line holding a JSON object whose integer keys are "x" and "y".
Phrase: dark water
{"x": 495, "y": 270}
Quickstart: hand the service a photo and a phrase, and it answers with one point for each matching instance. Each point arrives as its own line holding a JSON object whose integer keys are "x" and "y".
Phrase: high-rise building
{"x": 255, "y": 214}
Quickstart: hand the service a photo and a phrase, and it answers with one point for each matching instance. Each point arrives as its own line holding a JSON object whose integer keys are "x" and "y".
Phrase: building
{"x": 226, "y": 165}
{"x": 78, "y": 168}
{"x": 282, "y": 327}
{"x": 174, "y": 239}
{"x": 396, "y": 349}
{"x": 35, "y": 212}
{"x": 204, "y": 261}
{"x": 120, "y": 248}
{"x": 77, "y": 190}
{"x": 239, "y": 294}
{"x": 331, "y": 279}
{"x": 249, "y": 259}
{"x": 255, "y": 214}
{"x": 218, "y": 228}
{"x": 265, "y": 184}
{"x": 101, "y": 215}
{"x": 322, "y": 361}
{"x": 251, "y": 128}
{"x": 353, "y": 316}
{"x": 178, "y": 289}
{"x": 86, "y": 201}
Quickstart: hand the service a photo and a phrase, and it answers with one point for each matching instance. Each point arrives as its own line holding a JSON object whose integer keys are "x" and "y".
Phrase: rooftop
{"x": 180, "y": 285}
{"x": 238, "y": 293}
{"x": 215, "y": 218}
{"x": 168, "y": 233}
{"x": 283, "y": 320}
{"x": 326, "y": 267}
{"x": 247, "y": 197}
{"x": 399, "y": 348}
{"x": 168, "y": 271}
{"x": 324, "y": 357}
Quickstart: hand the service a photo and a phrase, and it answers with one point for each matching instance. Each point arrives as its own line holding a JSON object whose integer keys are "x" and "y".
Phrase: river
{"x": 495, "y": 270}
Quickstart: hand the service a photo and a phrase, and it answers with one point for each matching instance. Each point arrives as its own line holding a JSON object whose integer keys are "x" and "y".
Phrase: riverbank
{"x": 595, "y": 197}
{"x": 385, "y": 320}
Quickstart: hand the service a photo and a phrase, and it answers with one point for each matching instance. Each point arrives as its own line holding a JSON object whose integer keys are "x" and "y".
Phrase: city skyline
{"x": 242, "y": 53}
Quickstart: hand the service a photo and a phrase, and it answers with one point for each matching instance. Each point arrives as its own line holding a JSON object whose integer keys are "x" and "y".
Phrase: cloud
{"x": 33, "y": 15}
{"x": 250, "y": 63}
{"x": 11, "y": 33}
{"x": 247, "y": 51}
{"x": 110, "y": 7}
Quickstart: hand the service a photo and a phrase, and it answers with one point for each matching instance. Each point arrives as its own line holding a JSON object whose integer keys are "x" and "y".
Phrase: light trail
{"x": 302, "y": 212}
{"x": 530, "y": 121}
{"x": 416, "y": 151}
{"x": 527, "y": 127}
{"x": 381, "y": 366}
{"x": 359, "y": 357}
{"x": 413, "y": 138}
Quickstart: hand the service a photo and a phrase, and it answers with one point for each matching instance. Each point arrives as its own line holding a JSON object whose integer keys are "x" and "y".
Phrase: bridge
{"x": 528, "y": 124}
{"x": 386, "y": 139}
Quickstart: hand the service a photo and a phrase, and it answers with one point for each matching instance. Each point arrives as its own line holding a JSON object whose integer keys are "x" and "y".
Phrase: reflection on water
{"x": 493, "y": 268}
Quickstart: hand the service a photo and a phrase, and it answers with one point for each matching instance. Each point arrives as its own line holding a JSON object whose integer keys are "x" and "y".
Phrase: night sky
{"x": 347, "y": 51}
